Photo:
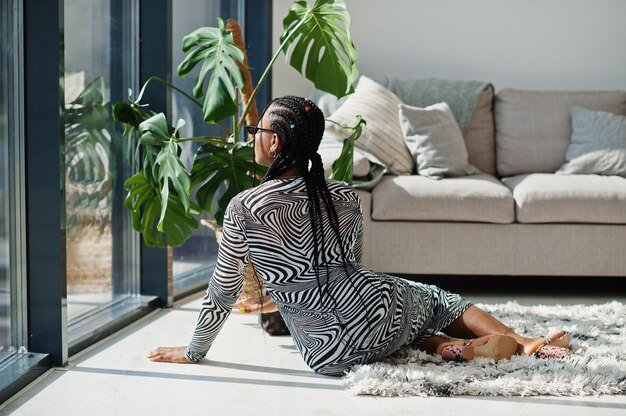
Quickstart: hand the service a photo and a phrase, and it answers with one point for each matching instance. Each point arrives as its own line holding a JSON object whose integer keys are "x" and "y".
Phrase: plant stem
{"x": 235, "y": 119}
{"x": 269, "y": 66}
{"x": 172, "y": 86}
{"x": 341, "y": 125}
{"x": 224, "y": 128}
{"x": 235, "y": 177}
{"x": 204, "y": 139}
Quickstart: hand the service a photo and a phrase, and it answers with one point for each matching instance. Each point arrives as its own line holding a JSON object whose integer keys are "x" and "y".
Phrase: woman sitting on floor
{"x": 303, "y": 235}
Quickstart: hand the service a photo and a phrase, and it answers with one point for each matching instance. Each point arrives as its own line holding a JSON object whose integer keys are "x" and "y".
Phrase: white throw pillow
{"x": 435, "y": 140}
{"x": 382, "y": 135}
{"x": 598, "y": 143}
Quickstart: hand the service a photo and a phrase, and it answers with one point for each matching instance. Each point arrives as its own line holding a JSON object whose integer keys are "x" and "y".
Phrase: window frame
{"x": 48, "y": 329}
{"x": 20, "y": 368}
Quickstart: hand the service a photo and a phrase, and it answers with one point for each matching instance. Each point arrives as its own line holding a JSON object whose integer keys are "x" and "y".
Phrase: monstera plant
{"x": 163, "y": 195}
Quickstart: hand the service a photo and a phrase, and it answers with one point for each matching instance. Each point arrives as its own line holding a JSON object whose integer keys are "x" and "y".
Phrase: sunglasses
{"x": 252, "y": 130}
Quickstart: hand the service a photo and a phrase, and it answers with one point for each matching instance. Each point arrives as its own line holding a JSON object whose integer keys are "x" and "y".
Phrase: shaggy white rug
{"x": 596, "y": 365}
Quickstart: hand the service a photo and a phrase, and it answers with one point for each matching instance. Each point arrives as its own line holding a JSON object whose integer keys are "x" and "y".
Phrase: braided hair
{"x": 300, "y": 124}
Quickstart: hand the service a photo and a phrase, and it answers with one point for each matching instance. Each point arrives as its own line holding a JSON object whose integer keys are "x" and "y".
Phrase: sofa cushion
{"x": 435, "y": 141}
{"x": 477, "y": 198}
{"x": 544, "y": 198}
{"x": 480, "y": 134}
{"x": 598, "y": 143}
{"x": 382, "y": 135}
{"x": 533, "y": 128}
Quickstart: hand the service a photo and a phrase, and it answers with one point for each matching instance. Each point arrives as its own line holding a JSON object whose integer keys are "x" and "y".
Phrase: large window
{"x": 194, "y": 261}
{"x": 99, "y": 67}
{"x": 72, "y": 270}
{"x": 11, "y": 175}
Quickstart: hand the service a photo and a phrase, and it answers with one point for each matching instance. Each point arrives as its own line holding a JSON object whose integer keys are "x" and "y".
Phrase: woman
{"x": 303, "y": 234}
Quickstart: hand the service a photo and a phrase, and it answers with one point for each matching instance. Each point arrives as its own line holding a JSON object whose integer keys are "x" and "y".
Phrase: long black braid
{"x": 300, "y": 125}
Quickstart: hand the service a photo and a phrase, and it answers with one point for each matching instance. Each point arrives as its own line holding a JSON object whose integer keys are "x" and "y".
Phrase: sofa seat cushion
{"x": 476, "y": 198}
{"x": 556, "y": 198}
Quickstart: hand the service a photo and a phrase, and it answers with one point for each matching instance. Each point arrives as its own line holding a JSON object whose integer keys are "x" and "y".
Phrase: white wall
{"x": 528, "y": 44}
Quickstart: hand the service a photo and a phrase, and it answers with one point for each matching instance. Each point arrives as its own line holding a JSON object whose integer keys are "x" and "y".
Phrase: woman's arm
{"x": 222, "y": 293}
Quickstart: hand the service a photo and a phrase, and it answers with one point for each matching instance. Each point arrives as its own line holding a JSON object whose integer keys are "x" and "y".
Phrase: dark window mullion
{"x": 43, "y": 26}
{"x": 155, "y": 57}
{"x": 258, "y": 32}
{"x": 116, "y": 77}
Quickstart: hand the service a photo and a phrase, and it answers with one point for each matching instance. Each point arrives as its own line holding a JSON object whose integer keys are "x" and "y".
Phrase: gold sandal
{"x": 558, "y": 339}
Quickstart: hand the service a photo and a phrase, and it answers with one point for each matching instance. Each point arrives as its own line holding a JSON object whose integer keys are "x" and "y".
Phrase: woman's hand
{"x": 169, "y": 355}
{"x": 253, "y": 305}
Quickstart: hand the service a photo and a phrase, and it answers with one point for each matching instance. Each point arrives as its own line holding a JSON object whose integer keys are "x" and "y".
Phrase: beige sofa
{"x": 518, "y": 217}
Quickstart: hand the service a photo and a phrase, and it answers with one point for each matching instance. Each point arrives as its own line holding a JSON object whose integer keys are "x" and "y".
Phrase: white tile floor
{"x": 249, "y": 373}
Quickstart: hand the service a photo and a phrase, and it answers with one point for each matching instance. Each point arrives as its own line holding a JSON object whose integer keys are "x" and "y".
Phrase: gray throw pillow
{"x": 435, "y": 141}
{"x": 598, "y": 143}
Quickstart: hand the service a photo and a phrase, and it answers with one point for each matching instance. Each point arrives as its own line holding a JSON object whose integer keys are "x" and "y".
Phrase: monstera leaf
{"x": 168, "y": 170}
{"x": 172, "y": 172}
{"x": 154, "y": 131}
{"x": 158, "y": 195}
{"x": 144, "y": 203}
{"x": 320, "y": 35}
{"x": 221, "y": 162}
{"x": 215, "y": 49}
{"x": 131, "y": 115}
{"x": 342, "y": 167}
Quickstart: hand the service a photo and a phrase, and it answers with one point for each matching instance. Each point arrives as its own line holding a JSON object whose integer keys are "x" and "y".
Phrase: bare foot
{"x": 496, "y": 347}
{"x": 530, "y": 345}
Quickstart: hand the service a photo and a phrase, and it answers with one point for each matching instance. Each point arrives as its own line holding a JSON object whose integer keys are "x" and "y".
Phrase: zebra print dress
{"x": 358, "y": 316}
